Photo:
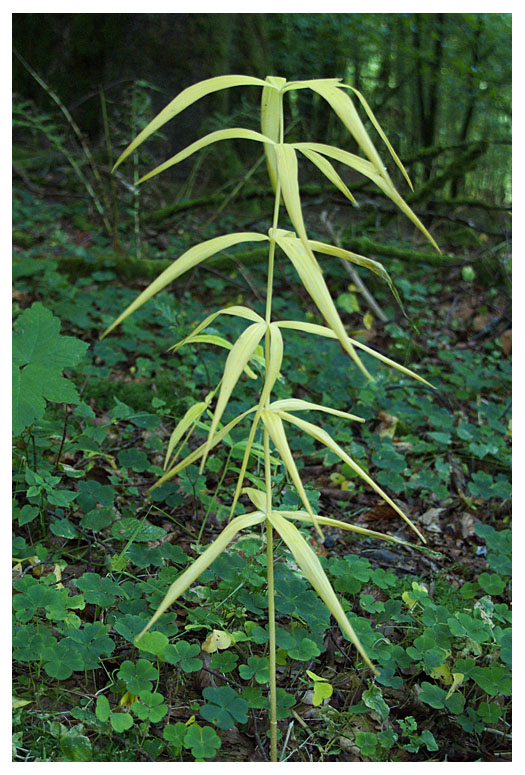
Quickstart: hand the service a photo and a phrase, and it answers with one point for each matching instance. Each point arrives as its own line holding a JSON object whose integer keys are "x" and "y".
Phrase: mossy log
{"x": 129, "y": 268}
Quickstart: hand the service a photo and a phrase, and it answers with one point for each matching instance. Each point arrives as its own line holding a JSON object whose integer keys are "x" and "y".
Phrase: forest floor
{"x": 94, "y": 552}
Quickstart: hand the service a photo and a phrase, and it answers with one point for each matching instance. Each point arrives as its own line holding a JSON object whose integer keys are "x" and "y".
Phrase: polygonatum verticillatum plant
{"x": 273, "y": 416}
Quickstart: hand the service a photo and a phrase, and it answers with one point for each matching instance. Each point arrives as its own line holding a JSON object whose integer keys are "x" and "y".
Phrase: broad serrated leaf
{"x": 40, "y": 354}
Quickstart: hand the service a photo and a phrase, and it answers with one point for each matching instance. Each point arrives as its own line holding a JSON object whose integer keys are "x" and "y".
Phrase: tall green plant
{"x": 274, "y": 416}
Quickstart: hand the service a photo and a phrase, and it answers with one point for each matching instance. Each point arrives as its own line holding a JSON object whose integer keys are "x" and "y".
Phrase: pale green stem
{"x": 268, "y": 481}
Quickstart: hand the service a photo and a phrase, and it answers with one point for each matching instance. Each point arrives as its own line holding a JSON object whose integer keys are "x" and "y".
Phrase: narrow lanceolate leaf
{"x": 288, "y": 178}
{"x": 309, "y": 563}
{"x": 275, "y": 361}
{"x": 355, "y": 258}
{"x": 188, "y": 260}
{"x": 258, "y": 498}
{"x": 329, "y": 172}
{"x": 236, "y": 310}
{"x": 377, "y": 126}
{"x": 193, "y": 414}
{"x": 370, "y": 171}
{"x": 186, "y": 98}
{"x": 312, "y": 278}
{"x": 239, "y": 356}
{"x": 219, "y": 341}
{"x": 274, "y": 425}
{"x": 314, "y": 328}
{"x": 294, "y": 85}
{"x": 245, "y": 459}
{"x": 303, "y": 516}
{"x": 198, "y": 453}
{"x": 271, "y": 122}
{"x": 237, "y": 133}
{"x": 321, "y": 435}
{"x": 343, "y": 106}
{"x": 298, "y": 405}
{"x": 192, "y": 573}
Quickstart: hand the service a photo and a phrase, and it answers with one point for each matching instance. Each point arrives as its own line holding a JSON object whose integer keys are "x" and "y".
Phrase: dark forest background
{"x": 440, "y": 84}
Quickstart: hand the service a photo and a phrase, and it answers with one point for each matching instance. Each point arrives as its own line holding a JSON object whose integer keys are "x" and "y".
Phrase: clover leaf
{"x": 184, "y": 653}
{"x": 224, "y": 661}
{"x": 138, "y": 677}
{"x": 98, "y": 590}
{"x": 174, "y": 734}
{"x": 203, "y": 741}
{"x": 40, "y": 354}
{"x": 151, "y": 707}
{"x": 153, "y": 642}
{"x": 119, "y": 721}
{"x": 258, "y": 668}
{"x": 224, "y": 707}
{"x": 90, "y": 642}
{"x": 60, "y": 661}
{"x": 432, "y": 695}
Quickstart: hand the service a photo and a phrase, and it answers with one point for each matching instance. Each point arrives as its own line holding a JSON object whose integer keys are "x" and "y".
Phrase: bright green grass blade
{"x": 298, "y": 405}
{"x": 235, "y": 310}
{"x": 186, "y": 98}
{"x": 274, "y": 425}
{"x": 329, "y": 172}
{"x": 239, "y": 356}
{"x": 309, "y": 563}
{"x": 197, "y": 453}
{"x": 271, "y": 122}
{"x": 188, "y": 260}
{"x": 322, "y": 436}
{"x": 312, "y": 278}
{"x": 377, "y": 126}
{"x": 192, "y": 573}
{"x": 355, "y": 258}
{"x": 237, "y": 133}
{"x": 314, "y": 328}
